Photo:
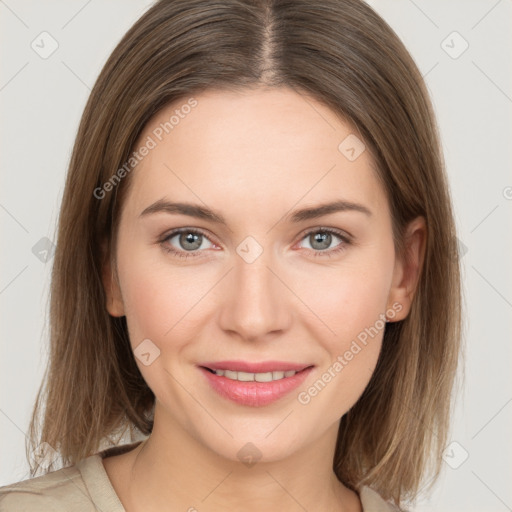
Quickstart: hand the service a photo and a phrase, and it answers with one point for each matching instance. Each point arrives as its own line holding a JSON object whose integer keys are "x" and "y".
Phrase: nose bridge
{"x": 256, "y": 302}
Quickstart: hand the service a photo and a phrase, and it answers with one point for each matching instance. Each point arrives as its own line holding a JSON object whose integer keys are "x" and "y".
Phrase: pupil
{"x": 323, "y": 238}
{"x": 190, "y": 238}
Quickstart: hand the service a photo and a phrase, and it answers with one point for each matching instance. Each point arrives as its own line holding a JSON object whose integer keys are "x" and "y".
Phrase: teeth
{"x": 244, "y": 376}
{"x": 258, "y": 377}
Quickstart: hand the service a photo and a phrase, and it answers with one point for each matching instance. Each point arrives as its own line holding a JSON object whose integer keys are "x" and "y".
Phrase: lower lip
{"x": 255, "y": 394}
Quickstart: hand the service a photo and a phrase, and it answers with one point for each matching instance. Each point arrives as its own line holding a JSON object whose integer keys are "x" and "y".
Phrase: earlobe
{"x": 114, "y": 301}
{"x": 408, "y": 268}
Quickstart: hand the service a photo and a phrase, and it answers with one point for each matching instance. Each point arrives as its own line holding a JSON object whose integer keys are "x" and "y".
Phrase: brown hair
{"x": 341, "y": 53}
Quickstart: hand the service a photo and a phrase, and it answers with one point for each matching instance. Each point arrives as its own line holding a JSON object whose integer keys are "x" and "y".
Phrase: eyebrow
{"x": 201, "y": 212}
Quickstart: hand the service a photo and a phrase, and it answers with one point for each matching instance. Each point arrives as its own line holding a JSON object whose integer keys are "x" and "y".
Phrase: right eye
{"x": 190, "y": 240}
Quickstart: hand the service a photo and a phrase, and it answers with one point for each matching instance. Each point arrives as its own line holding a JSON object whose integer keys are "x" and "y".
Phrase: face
{"x": 253, "y": 281}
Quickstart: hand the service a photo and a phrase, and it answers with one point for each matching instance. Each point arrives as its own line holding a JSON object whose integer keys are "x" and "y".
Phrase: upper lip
{"x": 262, "y": 367}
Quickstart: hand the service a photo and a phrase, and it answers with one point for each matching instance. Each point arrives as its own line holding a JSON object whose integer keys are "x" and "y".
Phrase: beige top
{"x": 85, "y": 487}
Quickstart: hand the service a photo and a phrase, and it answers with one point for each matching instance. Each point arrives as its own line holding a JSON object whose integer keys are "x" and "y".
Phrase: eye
{"x": 320, "y": 239}
{"x": 188, "y": 240}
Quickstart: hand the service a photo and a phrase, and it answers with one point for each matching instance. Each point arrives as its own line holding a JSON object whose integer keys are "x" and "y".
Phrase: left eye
{"x": 321, "y": 239}
{"x": 190, "y": 242}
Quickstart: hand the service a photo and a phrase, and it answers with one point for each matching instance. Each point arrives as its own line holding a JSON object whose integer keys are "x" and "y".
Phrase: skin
{"x": 254, "y": 156}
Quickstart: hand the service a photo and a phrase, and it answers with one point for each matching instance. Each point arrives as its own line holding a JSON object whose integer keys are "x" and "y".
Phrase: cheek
{"x": 352, "y": 346}
{"x": 351, "y": 307}
{"x": 346, "y": 300}
{"x": 159, "y": 306}
{"x": 156, "y": 299}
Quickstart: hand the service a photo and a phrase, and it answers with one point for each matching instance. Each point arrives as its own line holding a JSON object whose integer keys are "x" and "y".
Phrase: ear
{"x": 408, "y": 268}
{"x": 114, "y": 299}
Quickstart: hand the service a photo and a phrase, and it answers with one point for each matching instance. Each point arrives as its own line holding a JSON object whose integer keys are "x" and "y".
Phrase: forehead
{"x": 261, "y": 147}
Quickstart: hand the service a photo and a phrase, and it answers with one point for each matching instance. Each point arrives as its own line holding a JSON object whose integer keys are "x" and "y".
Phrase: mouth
{"x": 255, "y": 377}
{"x": 254, "y": 384}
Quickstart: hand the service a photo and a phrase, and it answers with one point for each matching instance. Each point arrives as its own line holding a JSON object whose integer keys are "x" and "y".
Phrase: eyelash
{"x": 325, "y": 253}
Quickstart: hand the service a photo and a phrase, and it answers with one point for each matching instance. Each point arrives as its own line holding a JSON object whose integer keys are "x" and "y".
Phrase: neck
{"x": 171, "y": 470}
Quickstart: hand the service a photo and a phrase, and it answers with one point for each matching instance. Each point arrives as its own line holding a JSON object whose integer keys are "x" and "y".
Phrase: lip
{"x": 256, "y": 394}
{"x": 265, "y": 366}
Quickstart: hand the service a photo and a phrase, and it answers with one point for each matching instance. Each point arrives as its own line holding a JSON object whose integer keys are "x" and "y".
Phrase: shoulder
{"x": 55, "y": 491}
{"x": 83, "y": 487}
{"x": 371, "y": 501}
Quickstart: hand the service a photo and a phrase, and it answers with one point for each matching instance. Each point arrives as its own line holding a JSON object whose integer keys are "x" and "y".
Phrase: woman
{"x": 255, "y": 271}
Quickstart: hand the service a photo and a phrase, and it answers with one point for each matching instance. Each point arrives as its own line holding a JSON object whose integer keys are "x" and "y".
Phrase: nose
{"x": 256, "y": 303}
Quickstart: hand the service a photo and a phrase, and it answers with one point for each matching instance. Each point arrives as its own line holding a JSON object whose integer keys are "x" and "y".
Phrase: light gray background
{"x": 41, "y": 103}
